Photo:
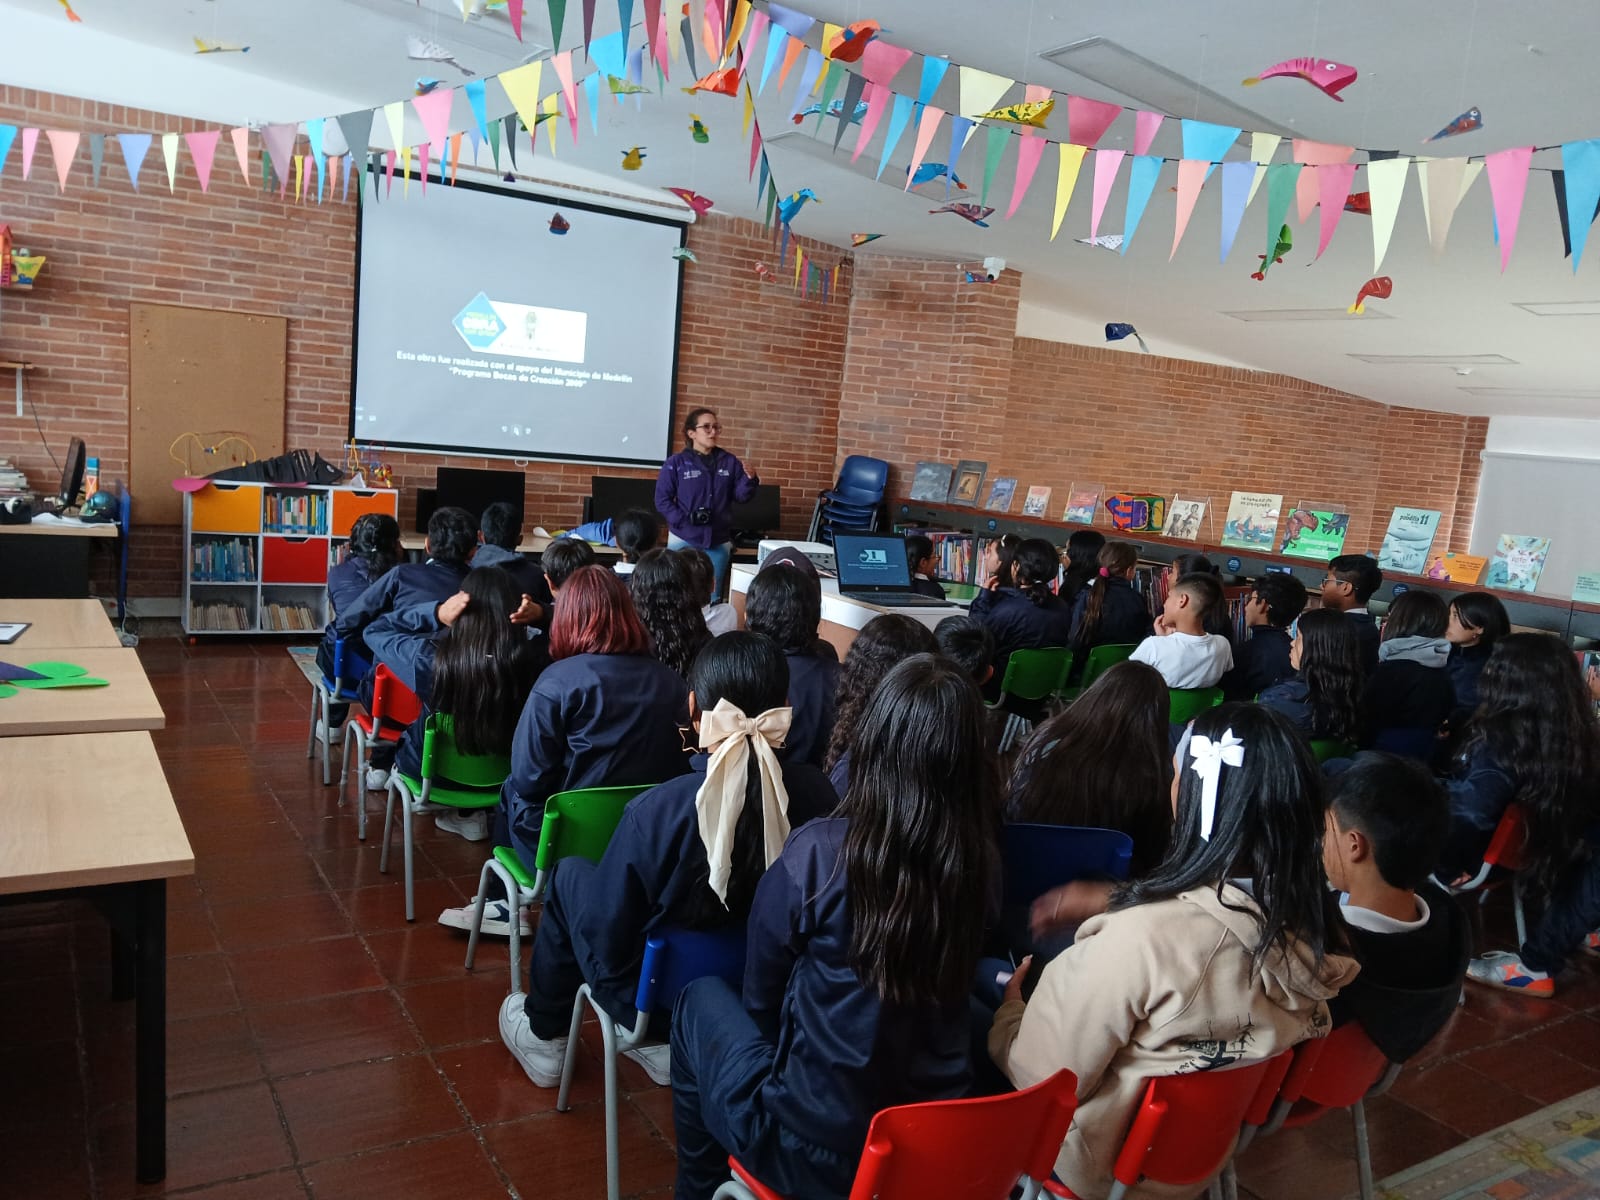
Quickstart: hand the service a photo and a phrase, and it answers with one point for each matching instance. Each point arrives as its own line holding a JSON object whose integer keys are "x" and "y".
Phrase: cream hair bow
{"x": 731, "y": 737}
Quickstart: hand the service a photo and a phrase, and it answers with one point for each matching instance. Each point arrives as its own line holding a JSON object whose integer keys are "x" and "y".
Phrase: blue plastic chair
{"x": 325, "y": 692}
{"x": 862, "y": 482}
{"x": 1036, "y": 858}
{"x": 673, "y": 959}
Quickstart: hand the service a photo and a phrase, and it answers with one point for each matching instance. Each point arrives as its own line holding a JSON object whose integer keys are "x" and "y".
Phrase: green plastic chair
{"x": 577, "y": 824}
{"x": 1326, "y": 748}
{"x": 1188, "y": 703}
{"x": 1100, "y": 659}
{"x": 1030, "y": 675}
{"x": 450, "y": 778}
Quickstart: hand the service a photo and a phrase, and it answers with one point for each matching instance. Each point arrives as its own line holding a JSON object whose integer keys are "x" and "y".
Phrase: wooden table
{"x": 48, "y": 559}
{"x": 534, "y": 543}
{"x": 127, "y": 703}
{"x": 92, "y": 813}
{"x": 57, "y": 624}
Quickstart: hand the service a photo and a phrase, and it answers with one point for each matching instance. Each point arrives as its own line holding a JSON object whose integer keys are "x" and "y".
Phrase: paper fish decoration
{"x": 835, "y": 109}
{"x": 1330, "y": 78}
{"x": 1117, "y": 330}
{"x": 850, "y": 43}
{"x": 1379, "y": 288}
{"x": 789, "y": 207}
{"x": 1285, "y": 244}
{"x": 201, "y": 46}
{"x": 684, "y": 254}
{"x": 625, "y": 87}
{"x": 71, "y": 16}
{"x": 1359, "y": 202}
{"x": 424, "y": 85}
{"x": 425, "y": 51}
{"x": 693, "y": 199}
{"x": 559, "y": 225}
{"x": 724, "y": 83}
{"x": 633, "y": 159}
{"x": 861, "y": 239}
{"x": 1465, "y": 123}
{"x": 697, "y": 129}
{"x": 764, "y": 272}
{"x": 1105, "y": 241}
{"x": 929, "y": 171}
{"x": 967, "y": 212}
{"x": 1032, "y": 113}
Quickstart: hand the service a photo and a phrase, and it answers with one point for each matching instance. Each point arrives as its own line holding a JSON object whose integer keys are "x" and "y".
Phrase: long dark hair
{"x": 882, "y": 642}
{"x": 1416, "y": 613}
{"x": 664, "y": 593}
{"x": 484, "y": 666}
{"x": 1267, "y": 829}
{"x": 1005, "y": 553}
{"x": 375, "y": 540}
{"x": 1484, "y": 612}
{"x": 785, "y": 603}
{"x": 1330, "y": 667}
{"x": 1105, "y": 762}
{"x": 1083, "y": 560}
{"x": 921, "y": 853}
{"x": 1537, "y": 722}
{"x": 750, "y": 672}
{"x": 1116, "y": 558}
{"x": 1034, "y": 569}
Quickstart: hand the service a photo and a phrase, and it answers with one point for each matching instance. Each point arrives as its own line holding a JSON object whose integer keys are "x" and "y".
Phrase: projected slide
{"x": 483, "y": 324}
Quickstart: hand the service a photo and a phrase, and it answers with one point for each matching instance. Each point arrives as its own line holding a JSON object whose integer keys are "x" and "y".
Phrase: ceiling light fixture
{"x": 1508, "y": 393}
{"x": 1561, "y": 308}
{"x": 1301, "y": 314}
{"x": 1435, "y": 360}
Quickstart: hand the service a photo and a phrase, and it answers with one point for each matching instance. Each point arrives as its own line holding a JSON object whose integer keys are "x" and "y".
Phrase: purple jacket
{"x": 687, "y": 483}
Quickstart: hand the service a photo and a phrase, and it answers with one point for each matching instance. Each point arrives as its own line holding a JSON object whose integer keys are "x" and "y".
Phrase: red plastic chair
{"x": 961, "y": 1149}
{"x": 394, "y": 706}
{"x": 1508, "y": 851}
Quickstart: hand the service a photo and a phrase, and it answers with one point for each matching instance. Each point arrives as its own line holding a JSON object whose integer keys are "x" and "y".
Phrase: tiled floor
{"x": 319, "y": 1046}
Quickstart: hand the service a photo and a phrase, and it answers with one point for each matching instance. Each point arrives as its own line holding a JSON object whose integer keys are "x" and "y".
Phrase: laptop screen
{"x": 871, "y": 560}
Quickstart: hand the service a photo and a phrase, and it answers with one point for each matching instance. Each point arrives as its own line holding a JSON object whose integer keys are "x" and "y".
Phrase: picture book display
{"x": 1314, "y": 533}
{"x": 931, "y": 483}
{"x": 1518, "y": 562}
{"x": 1252, "y": 520}
{"x": 1408, "y": 540}
{"x": 1585, "y": 588}
{"x": 1038, "y": 500}
{"x": 1082, "y": 500}
{"x": 1137, "y": 514}
{"x": 968, "y": 482}
{"x": 1458, "y": 568}
{"x": 1183, "y": 519}
{"x": 1001, "y": 492}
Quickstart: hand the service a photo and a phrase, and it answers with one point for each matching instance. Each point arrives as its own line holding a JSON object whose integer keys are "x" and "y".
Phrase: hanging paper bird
{"x": 559, "y": 225}
{"x": 1359, "y": 202}
{"x": 1117, "y": 330}
{"x": 71, "y": 16}
{"x": 1284, "y": 245}
{"x": 693, "y": 199}
{"x": 697, "y": 129}
{"x": 633, "y": 159}
{"x": 684, "y": 254}
{"x": 625, "y": 87}
{"x": 1379, "y": 288}
{"x": 835, "y": 109}
{"x": 538, "y": 120}
{"x": 1330, "y": 78}
{"x": 967, "y": 212}
{"x": 1032, "y": 113}
{"x": 201, "y": 46}
{"x": 861, "y": 239}
{"x": 724, "y": 83}
{"x": 789, "y": 207}
{"x": 764, "y": 272}
{"x": 1105, "y": 241}
{"x": 929, "y": 171}
{"x": 1465, "y": 123}
{"x": 425, "y": 51}
{"x": 425, "y": 84}
{"x": 850, "y": 43}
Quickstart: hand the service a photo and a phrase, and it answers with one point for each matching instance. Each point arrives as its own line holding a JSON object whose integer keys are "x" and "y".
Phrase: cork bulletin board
{"x": 205, "y": 372}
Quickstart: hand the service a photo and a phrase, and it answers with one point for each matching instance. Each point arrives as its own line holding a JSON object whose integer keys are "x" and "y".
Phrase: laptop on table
{"x": 872, "y": 568}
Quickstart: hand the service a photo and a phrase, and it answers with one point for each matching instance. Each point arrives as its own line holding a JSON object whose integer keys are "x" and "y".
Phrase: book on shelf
{"x": 956, "y": 552}
{"x": 219, "y": 616}
{"x": 289, "y": 618}
{"x": 931, "y": 483}
{"x": 1586, "y": 587}
{"x": 1458, "y": 568}
{"x": 1518, "y": 562}
{"x": 1315, "y": 532}
{"x": 232, "y": 561}
{"x": 1137, "y": 514}
{"x": 968, "y": 482}
{"x": 1001, "y": 493}
{"x": 1183, "y": 519}
{"x": 1408, "y": 540}
{"x": 1082, "y": 500}
{"x": 1252, "y": 520}
{"x": 1037, "y": 501}
{"x": 302, "y": 513}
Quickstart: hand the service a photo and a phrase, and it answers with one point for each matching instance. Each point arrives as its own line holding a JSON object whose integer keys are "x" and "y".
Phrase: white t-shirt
{"x": 623, "y": 568}
{"x": 720, "y": 618}
{"x": 1187, "y": 660}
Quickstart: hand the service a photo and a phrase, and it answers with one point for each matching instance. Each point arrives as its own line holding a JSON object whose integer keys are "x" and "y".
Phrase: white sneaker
{"x": 541, "y": 1058}
{"x": 377, "y": 779}
{"x": 472, "y": 824}
{"x": 496, "y": 919}
{"x": 656, "y": 1059}
{"x": 322, "y": 733}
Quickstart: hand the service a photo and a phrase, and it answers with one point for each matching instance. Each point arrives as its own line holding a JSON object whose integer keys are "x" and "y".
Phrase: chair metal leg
{"x": 405, "y": 818}
{"x": 1119, "y": 1190}
{"x": 608, "y": 1037}
{"x": 579, "y": 1003}
{"x": 1517, "y": 908}
{"x": 388, "y": 823}
{"x": 1358, "y": 1114}
{"x": 477, "y": 915}
{"x": 733, "y": 1190}
{"x": 311, "y": 737}
{"x": 1228, "y": 1182}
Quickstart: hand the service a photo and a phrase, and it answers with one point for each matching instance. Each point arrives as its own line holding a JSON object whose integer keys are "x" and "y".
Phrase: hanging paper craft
{"x": 40, "y": 676}
{"x": 623, "y": 87}
{"x": 1117, "y": 330}
{"x": 849, "y": 43}
{"x": 861, "y": 239}
{"x": 1380, "y": 288}
{"x": 684, "y": 254}
{"x": 1517, "y": 564}
{"x": 1359, "y": 202}
{"x": 789, "y": 207}
{"x": 1330, "y": 78}
{"x": 71, "y": 16}
{"x": 1465, "y": 123}
{"x": 697, "y": 129}
{"x": 1251, "y": 521}
{"x": 693, "y": 199}
{"x": 633, "y": 159}
{"x": 1314, "y": 533}
{"x": 968, "y": 212}
{"x": 425, "y": 51}
{"x": 1285, "y": 244}
{"x": 724, "y": 83}
{"x": 201, "y": 46}
{"x": 425, "y": 84}
{"x": 1105, "y": 241}
{"x": 559, "y": 224}
{"x": 928, "y": 172}
{"x": 763, "y": 272}
{"x": 1033, "y": 113}
{"x": 835, "y": 109}
{"x": 1001, "y": 493}
{"x": 1183, "y": 519}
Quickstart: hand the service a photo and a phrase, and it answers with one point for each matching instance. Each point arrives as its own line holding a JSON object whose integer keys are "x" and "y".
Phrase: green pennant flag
{"x": 772, "y": 203}
{"x": 998, "y": 137}
{"x": 494, "y": 143}
{"x": 830, "y": 84}
{"x": 1281, "y": 181}
{"x": 558, "y": 14}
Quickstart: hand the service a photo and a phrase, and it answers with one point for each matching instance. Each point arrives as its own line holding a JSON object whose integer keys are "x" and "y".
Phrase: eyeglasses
{"x": 709, "y": 428}
{"x": 1335, "y": 580}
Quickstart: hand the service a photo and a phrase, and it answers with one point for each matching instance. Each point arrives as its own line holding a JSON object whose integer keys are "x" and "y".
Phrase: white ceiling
{"x": 1527, "y": 66}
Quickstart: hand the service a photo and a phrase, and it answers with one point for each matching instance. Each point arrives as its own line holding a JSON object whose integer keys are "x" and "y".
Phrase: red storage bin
{"x": 294, "y": 559}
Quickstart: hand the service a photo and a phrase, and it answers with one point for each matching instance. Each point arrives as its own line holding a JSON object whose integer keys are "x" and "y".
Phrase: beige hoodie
{"x": 1163, "y": 988}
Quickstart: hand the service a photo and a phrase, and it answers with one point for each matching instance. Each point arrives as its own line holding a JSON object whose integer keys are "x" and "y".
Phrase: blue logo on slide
{"x": 478, "y": 324}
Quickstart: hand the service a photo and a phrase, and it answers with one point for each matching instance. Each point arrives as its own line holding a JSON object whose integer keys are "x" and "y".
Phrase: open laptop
{"x": 872, "y": 568}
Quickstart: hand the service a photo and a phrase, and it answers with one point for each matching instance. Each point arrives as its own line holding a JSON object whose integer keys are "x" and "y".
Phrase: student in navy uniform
{"x": 968, "y": 643}
{"x": 637, "y": 532}
{"x": 1477, "y": 621}
{"x": 1262, "y": 659}
{"x": 452, "y": 539}
{"x": 863, "y": 940}
{"x": 1408, "y": 696}
{"x": 923, "y": 562}
{"x": 1323, "y": 698}
{"x": 1083, "y": 562}
{"x": 1351, "y": 581}
{"x": 663, "y": 593}
{"x": 604, "y": 713}
{"x": 721, "y": 617}
{"x": 1108, "y": 612}
{"x": 785, "y": 603}
{"x": 1023, "y": 614}
{"x": 560, "y": 560}
{"x": 883, "y": 641}
{"x": 697, "y": 489}
{"x": 373, "y": 548}
{"x": 499, "y": 535}
{"x": 687, "y": 854}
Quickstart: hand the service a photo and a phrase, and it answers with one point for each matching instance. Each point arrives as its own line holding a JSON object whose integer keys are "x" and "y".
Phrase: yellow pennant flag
{"x": 169, "y": 151}
{"x": 1066, "y": 180}
{"x": 749, "y": 110}
{"x": 405, "y": 172}
{"x": 799, "y": 265}
{"x": 522, "y": 89}
{"x": 1262, "y": 147}
{"x": 395, "y": 115}
{"x": 551, "y": 107}
{"x": 741, "y": 17}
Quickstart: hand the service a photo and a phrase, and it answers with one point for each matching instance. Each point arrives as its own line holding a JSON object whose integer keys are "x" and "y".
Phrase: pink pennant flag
{"x": 1191, "y": 178}
{"x": 878, "y": 97}
{"x": 569, "y": 89}
{"x": 1088, "y": 120}
{"x": 514, "y": 11}
{"x": 30, "y": 142}
{"x": 926, "y": 128}
{"x": 661, "y": 47}
{"x": 241, "y": 148}
{"x": 759, "y": 21}
{"x": 422, "y": 165}
{"x": 881, "y": 62}
{"x": 203, "y": 149}
{"x": 388, "y": 189}
{"x": 280, "y": 141}
{"x": 1029, "y": 151}
{"x": 1106, "y": 163}
{"x": 1312, "y": 155}
{"x": 1145, "y": 126}
{"x": 1508, "y": 184}
{"x": 434, "y": 109}
{"x": 63, "y": 148}
{"x": 755, "y": 150}
{"x": 1333, "y": 189}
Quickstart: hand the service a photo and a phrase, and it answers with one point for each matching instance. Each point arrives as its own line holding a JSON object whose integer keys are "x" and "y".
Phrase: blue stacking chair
{"x": 673, "y": 959}
{"x": 325, "y": 692}
{"x": 855, "y": 501}
{"x": 1037, "y": 858}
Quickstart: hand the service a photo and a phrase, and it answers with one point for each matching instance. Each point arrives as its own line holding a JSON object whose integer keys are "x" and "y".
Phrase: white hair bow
{"x": 1207, "y": 760}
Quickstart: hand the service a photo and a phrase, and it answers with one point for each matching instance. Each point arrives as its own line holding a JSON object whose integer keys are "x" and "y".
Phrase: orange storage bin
{"x": 294, "y": 559}
{"x": 347, "y": 506}
{"x": 226, "y": 508}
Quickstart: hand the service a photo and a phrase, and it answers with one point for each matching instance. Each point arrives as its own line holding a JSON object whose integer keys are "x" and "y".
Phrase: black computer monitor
{"x": 72, "y": 474}
{"x": 474, "y": 489}
{"x": 760, "y": 513}
{"x": 612, "y": 495}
